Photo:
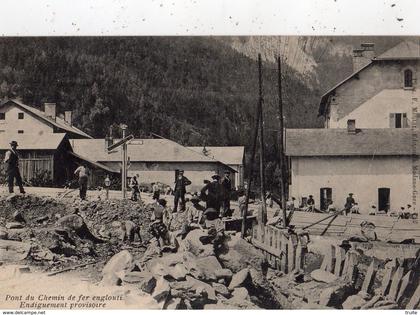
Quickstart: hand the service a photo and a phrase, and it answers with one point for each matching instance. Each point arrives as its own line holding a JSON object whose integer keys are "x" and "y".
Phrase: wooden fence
{"x": 283, "y": 251}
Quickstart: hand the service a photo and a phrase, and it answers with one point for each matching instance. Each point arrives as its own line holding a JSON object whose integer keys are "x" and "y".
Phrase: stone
{"x": 238, "y": 254}
{"x": 42, "y": 219}
{"x": 405, "y": 283}
{"x": 221, "y": 289}
{"x": 370, "y": 276}
{"x": 191, "y": 243}
{"x": 390, "y": 268}
{"x": 18, "y": 217}
{"x": 173, "y": 304}
{"x": 323, "y": 276}
{"x": 3, "y": 234}
{"x": 206, "y": 268}
{"x": 13, "y": 250}
{"x": 223, "y": 273}
{"x": 414, "y": 302}
{"x": 120, "y": 264}
{"x": 162, "y": 289}
{"x": 240, "y": 294}
{"x": 239, "y": 278}
{"x": 20, "y": 234}
{"x": 158, "y": 267}
{"x": 328, "y": 263}
{"x": 72, "y": 222}
{"x": 179, "y": 272}
{"x": 191, "y": 286}
{"x": 14, "y": 225}
{"x": 110, "y": 279}
{"x": 136, "y": 276}
{"x": 354, "y": 302}
{"x": 395, "y": 284}
{"x": 340, "y": 256}
{"x": 42, "y": 254}
{"x": 335, "y": 296}
{"x": 148, "y": 284}
{"x": 372, "y": 302}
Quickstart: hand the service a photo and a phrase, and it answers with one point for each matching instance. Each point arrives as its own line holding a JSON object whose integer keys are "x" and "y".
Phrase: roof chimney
{"x": 363, "y": 55}
{"x": 68, "y": 117}
{"x": 108, "y": 142}
{"x": 351, "y": 126}
{"x": 50, "y": 110}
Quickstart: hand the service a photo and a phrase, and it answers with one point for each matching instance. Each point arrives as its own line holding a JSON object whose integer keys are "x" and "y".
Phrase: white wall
{"x": 374, "y": 113}
{"x": 28, "y": 124}
{"x": 359, "y": 175}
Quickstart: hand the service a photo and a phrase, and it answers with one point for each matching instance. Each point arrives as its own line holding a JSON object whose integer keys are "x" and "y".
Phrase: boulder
{"x": 13, "y": 250}
{"x": 71, "y": 222}
{"x": 20, "y": 234}
{"x": 240, "y": 294}
{"x": 3, "y": 234}
{"x": 193, "y": 289}
{"x": 162, "y": 289}
{"x": 354, "y": 302}
{"x": 179, "y": 272}
{"x": 202, "y": 268}
{"x": 335, "y": 296}
{"x": 148, "y": 284}
{"x": 110, "y": 279}
{"x": 238, "y": 254}
{"x": 193, "y": 244}
{"x": 14, "y": 225}
{"x": 119, "y": 264}
{"x": 239, "y": 278}
{"x": 323, "y": 276}
{"x": 173, "y": 304}
{"x": 221, "y": 289}
{"x": 136, "y": 276}
{"x": 223, "y": 273}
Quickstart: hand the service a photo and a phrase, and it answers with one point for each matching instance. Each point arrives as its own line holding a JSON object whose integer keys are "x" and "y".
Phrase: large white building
{"x": 369, "y": 144}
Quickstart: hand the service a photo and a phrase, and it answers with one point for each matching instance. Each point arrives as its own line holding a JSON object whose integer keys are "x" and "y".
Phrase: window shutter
{"x": 418, "y": 120}
{"x": 404, "y": 120}
{"x": 392, "y": 120}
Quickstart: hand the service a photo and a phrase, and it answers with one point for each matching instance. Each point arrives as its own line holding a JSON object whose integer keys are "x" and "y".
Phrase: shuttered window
{"x": 398, "y": 120}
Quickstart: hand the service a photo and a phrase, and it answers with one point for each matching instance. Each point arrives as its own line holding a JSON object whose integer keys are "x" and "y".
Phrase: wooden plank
{"x": 370, "y": 276}
{"x": 350, "y": 264}
{"x": 415, "y": 300}
{"x": 386, "y": 280}
{"x": 292, "y": 252}
{"x": 266, "y": 248}
{"x": 340, "y": 256}
{"x": 406, "y": 280}
{"x": 395, "y": 284}
{"x": 284, "y": 254}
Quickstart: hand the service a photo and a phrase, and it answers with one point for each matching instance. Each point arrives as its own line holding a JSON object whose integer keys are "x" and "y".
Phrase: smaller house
{"x": 155, "y": 160}
{"x": 232, "y": 156}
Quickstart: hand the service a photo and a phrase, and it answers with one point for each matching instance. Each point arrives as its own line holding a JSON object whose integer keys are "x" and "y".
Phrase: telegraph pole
{"x": 124, "y": 164}
{"x": 281, "y": 146}
{"x": 262, "y": 164}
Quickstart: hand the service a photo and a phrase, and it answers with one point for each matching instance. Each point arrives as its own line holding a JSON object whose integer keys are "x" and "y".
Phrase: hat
{"x": 345, "y": 244}
{"x": 14, "y": 143}
{"x": 215, "y": 176}
{"x": 408, "y": 206}
{"x": 227, "y": 172}
{"x": 195, "y": 198}
{"x": 373, "y": 206}
{"x": 310, "y": 196}
{"x": 181, "y": 171}
{"x": 351, "y": 194}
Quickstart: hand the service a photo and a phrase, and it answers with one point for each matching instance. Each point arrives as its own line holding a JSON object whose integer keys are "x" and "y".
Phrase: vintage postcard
{"x": 244, "y": 172}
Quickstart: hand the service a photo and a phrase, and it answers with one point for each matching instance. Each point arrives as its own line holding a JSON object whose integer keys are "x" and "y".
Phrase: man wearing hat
{"x": 349, "y": 203}
{"x": 12, "y": 168}
{"x": 227, "y": 188}
{"x": 181, "y": 183}
{"x": 310, "y": 203}
{"x": 212, "y": 193}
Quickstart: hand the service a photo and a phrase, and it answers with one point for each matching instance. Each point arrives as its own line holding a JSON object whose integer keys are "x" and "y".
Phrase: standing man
{"x": 349, "y": 203}
{"x": 227, "y": 189}
{"x": 83, "y": 174}
{"x": 212, "y": 193}
{"x": 12, "y": 168}
{"x": 311, "y": 204}
{"x": 181, "y": 183}
{"x": 135, "y": 190}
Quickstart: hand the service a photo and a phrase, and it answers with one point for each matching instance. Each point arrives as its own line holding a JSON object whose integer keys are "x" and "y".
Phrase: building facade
{"x": 369, "y": 144}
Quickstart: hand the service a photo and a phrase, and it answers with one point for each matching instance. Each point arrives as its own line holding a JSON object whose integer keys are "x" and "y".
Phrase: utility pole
{"x": 251, "y": 163}
{"x": 281, "y": 146}
{"x": 262, "y": 163}
{"x": 124, "y": 164}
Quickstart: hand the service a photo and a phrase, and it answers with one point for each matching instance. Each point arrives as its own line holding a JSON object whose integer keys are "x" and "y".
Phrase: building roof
{"x": 140, "y": 150}
{"x": 403, "y": 51}
{"x": 58, "y": 122}
{"x": 232, "y": 155}
{"x": 339, "y": 142}
{"x": 46, "y": 141}
{"x": 95, "y": 164}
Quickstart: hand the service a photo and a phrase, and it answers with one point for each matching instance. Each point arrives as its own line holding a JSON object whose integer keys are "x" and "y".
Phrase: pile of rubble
{"x": 196, "y": 276}
{"x": 54, "y": 233}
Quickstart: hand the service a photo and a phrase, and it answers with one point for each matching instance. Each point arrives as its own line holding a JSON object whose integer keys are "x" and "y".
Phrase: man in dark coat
{"x": 227, "y": 189}
{"x": 349, "y": 203}
{"x": 181, "y": 183}
{"x": 12, "y": 168}
{"x": 212, "y": 193}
